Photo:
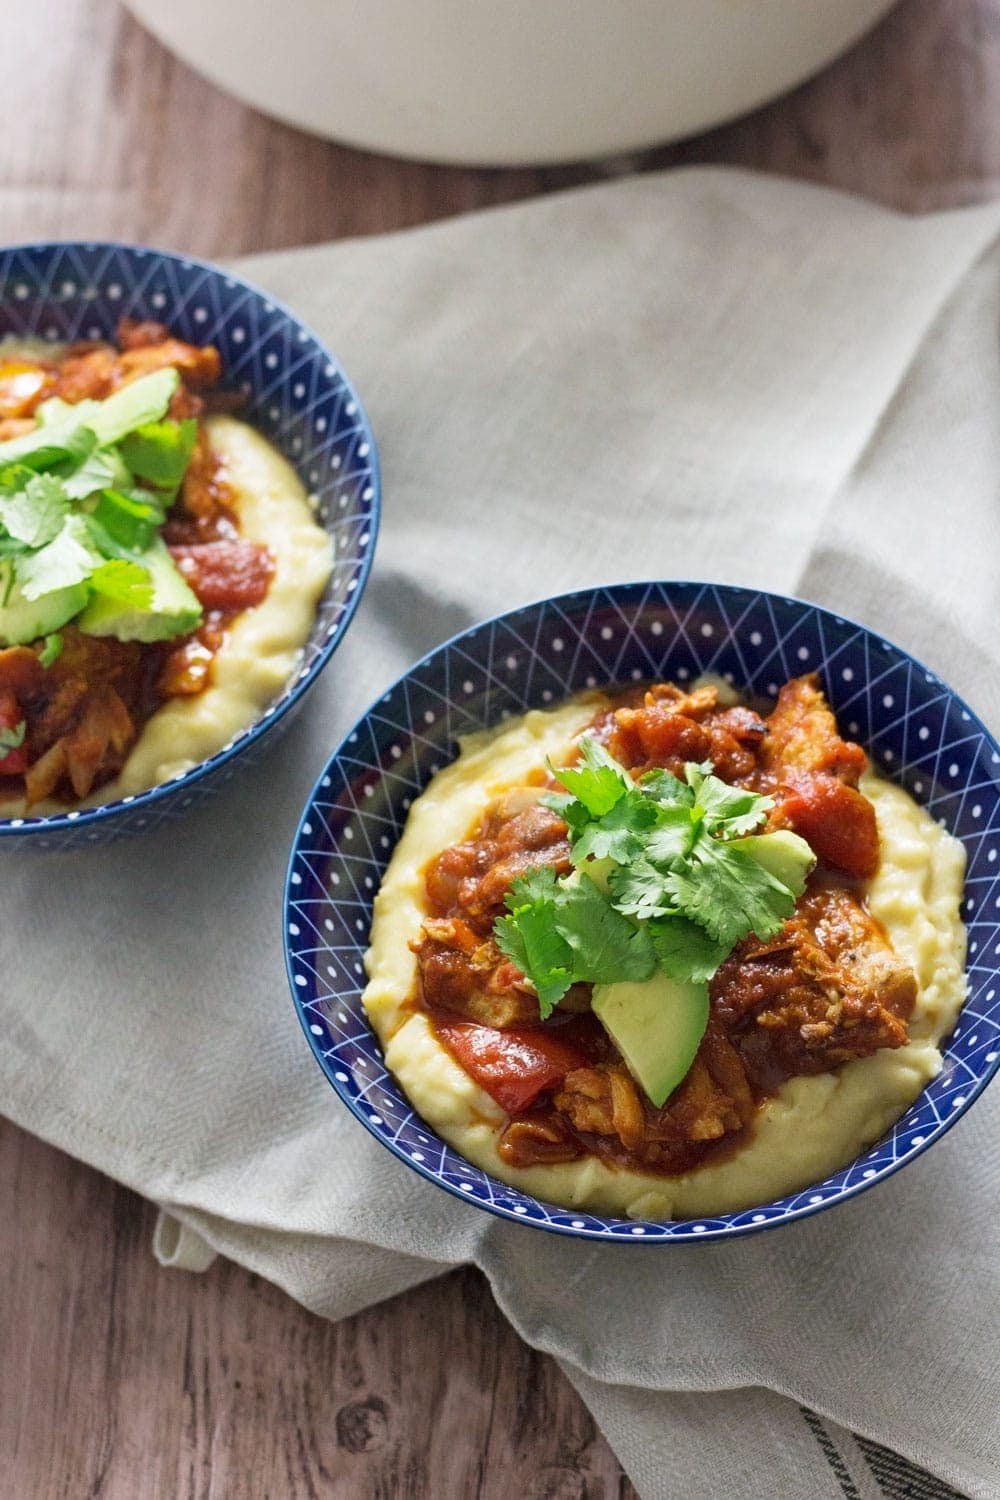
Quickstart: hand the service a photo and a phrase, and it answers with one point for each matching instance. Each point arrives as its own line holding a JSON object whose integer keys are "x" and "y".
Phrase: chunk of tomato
{"x": 836, "y": 820}
{"x": 513, "y": 1066}
{"x": 226, "y": 575}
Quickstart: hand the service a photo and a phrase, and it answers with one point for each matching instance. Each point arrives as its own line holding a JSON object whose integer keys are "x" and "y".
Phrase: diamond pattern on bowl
{"x": 296, "y": 394}
{"x": 914, "y": 728}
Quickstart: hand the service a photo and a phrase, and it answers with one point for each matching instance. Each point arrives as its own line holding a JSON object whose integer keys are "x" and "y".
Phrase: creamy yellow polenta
{"x": 812, "y": 1126}
{"x": 264, "y": 644}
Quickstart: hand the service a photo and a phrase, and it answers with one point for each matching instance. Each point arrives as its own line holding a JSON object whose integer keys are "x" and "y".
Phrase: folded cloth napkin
{"x": 704, "y": 374}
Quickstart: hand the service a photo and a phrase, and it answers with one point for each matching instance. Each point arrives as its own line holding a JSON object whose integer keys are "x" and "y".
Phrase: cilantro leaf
{"x": 599, "y": 783}
{"x": 674, "y": 835}
{"x": 159, "y": 452}
{"x": 728, "y": 893}
{"x": 606, "y": 946}
{"x": 13, "y": 739}
{"x": 685, "y": 950}
{"x": 67, "y": 560}
{"x": 99, "y": 471}
{"x": 573, "y": 813}
{"x": 529, "y": 938}
{"x": 728, "y": 809}
{"x": 539, "y": 883}
{"x": 561, "y": 932}
{"x": 15, "y": 476}
{"x": 51, "y": 651}
{"x": 125, "y": 581}
{"x": 640, "y": 891}
{"x": 129, "y": 519}
{"x": 618, "y": 835}
{"x": 104, "y": 542}
{"x": 34, "y": 515}
{"x": 663, "y": 786}
{"x": 60, "y": 435}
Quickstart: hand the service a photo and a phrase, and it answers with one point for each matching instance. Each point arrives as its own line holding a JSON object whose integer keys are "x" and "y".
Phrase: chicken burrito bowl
{"x": 168, "y": 584}
{"x": 669, "y": 950}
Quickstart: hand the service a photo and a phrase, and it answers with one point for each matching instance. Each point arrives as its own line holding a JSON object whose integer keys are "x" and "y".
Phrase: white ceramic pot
{"x": 505, "y": 82}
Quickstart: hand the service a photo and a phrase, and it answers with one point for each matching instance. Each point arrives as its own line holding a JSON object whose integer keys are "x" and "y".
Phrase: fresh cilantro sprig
{"x": 561, "y": 932}
{"x": 661, "y": 878}
{"x": 727, "y": 893}
{"x": 34, "y": 515}
{"x": 67, "y": 559}
{"x": 159, "y": 452}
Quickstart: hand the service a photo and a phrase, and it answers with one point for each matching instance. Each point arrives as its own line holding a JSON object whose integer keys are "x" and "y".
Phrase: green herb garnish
{"x": 661, "y": 878}
{"x": 67, "y": 559}
{"x": 82, "y": 498}
{"x": 129, "y": 517}
{"x": 124, "y": 581}
{"x": 33, "y": 514}
{"x": 562, "y": 932}
{"x": 159, "y": 452}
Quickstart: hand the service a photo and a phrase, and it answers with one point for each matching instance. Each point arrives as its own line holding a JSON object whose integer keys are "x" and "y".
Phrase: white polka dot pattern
{"x": 296, "y": 394}
{"x": 909, "y": 721}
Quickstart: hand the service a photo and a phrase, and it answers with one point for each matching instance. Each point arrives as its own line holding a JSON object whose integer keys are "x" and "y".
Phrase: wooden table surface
{"x": 118, "y": 1379}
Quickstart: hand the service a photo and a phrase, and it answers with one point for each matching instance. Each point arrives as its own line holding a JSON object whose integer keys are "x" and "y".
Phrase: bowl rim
{"x": 713, "y": 1230}
{"x": 77, "y": 819}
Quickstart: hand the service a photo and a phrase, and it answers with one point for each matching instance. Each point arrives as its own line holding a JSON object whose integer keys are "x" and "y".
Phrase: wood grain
{"x": 121, "y": 1380}
{"x": 107, "y": 135}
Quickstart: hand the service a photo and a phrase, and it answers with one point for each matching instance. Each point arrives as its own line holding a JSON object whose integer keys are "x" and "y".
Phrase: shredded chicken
{"x": 97, "y": 742}
{"x": 476, "y": 876}
{"x": 802, "y": 737}
{"x": 714, "y": 1100}
{"x": 12, "y": 427}
{"x": 543, "y": 1136}
{"x": 80, "y": 711}
{"x": 466, "y": 974}
{"x": 830, "y": 987}
{"x": 92, "y": 371}
{"x": 205, "y": 494}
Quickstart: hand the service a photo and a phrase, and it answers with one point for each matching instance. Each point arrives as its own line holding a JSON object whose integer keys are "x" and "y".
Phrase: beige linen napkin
{"x": 705, "y": 374}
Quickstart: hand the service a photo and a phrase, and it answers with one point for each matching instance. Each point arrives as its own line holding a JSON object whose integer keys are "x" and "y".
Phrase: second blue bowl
{"x": 296, "y": 394}
{"x": 916, "y": 730}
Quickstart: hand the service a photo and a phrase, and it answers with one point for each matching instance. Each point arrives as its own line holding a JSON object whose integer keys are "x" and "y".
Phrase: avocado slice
{"x": 23, "y": 620}
{"x": 174, "y": 609}
{"x": 783, "y": 854}
{"x": 133, "y": 405}
{"x": 657, "y": 1027}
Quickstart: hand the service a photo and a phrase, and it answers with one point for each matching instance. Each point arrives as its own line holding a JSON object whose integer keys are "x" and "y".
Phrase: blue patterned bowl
{"x": 296, "y": 394}
{"x": 915, "y": 729}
